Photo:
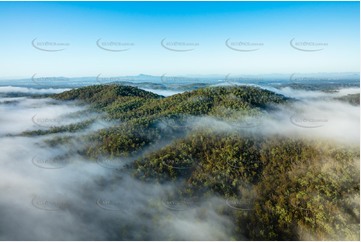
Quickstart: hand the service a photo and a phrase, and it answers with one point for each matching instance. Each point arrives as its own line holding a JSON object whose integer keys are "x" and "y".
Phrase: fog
{"x": 55, "y": 194}
{"x": 316, "y": 115}
{"x": 165, "y": 93}
{"x": 7, "y": 89}
{"x": 301, "y": 94}
{"x": 312, "y": 114}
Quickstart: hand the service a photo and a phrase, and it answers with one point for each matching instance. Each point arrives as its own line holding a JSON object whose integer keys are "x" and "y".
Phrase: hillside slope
{"x": 146, "y": 118}
{"x": 275, "y": 187}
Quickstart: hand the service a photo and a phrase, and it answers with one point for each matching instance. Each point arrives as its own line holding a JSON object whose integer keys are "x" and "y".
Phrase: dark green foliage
{"x": 302, "y": 189}
{"x": 101, "y": 96}
{"x": 353, "y": 99}
{"x": 147, "y": 118}
{"x": 59, "y": 129}
{"x": 287, "y": 188}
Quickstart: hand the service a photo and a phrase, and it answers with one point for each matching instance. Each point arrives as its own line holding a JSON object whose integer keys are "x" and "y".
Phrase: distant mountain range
{"x": 184, "y": 82}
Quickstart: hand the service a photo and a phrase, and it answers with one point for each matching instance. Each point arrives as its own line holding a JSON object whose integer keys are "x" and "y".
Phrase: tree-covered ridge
{"x": 353, "y": 99}
{"x": 292, "y": 189}
{"x": 146, "y": 118}
{"x": 276, "y": 187}
{"x": 103, "y": 95}
{"x": 133, "y": 102}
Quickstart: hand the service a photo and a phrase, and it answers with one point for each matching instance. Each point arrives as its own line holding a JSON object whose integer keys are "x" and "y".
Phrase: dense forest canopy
{"x": 276, "y": 187}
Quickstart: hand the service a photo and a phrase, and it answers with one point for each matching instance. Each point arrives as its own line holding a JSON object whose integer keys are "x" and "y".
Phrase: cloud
{"x": 331, "y": 120}
{"x": 311, "y": 116}
{"x": 302, "y": 94}
{"x": 52, "y": 193}
{"x": 33, "y": 114}
{"x": 7, "y": 89}
{"x": 165, "y": 93}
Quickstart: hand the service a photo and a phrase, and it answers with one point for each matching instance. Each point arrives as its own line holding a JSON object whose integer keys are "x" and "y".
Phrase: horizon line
{"x": 180, "y": 75}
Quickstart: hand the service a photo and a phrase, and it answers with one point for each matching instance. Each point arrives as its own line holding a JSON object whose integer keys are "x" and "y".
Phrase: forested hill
{"x": 103, "y": 95}
{"x": 275, "y": 187}
{"x": 116, "y": 99}
{"x": 145, "y": 118}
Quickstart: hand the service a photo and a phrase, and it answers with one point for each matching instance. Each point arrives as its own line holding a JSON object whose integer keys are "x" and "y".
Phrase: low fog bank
{"x": 298, "y": 93}
{"x": 333, "y": 120}
{"x": 311, "y": 116}
{"x": 82, "y": 201}
{"x": 28, "y": 90}
{"x": 21, "y": 114}
{"x": 302, "y": 94}
{"x": 165, "y": 93}
{"x": 316, "y": 115}
{"x": 54, "y": 194}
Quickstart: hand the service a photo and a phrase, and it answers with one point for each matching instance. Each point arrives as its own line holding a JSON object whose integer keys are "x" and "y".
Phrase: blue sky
{"x": 264, "y": 27}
